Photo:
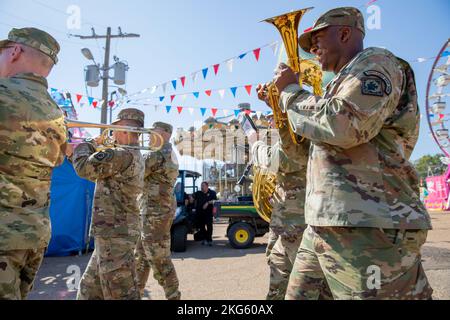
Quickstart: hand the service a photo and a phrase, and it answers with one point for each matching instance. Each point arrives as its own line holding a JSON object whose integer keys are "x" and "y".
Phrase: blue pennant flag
{"x": 53, "y": 90}
{"x": 174, "y": 84}
{"x": 90, "y": 100}
{"x": 268, "y": 112}
{"x": 445, "y": 54}
{"x": 168, "y": 108}
{"x": 203, "y": 111}
{"x": 431, "y": 115}
{"x": 233, "y": 91}
{"x": 236, "y": 112}
{"x": 205, "y": 72}
{"x": 242, "y": 56}
{"x": 196, "y": 94}
{"x": 161, "y": 98}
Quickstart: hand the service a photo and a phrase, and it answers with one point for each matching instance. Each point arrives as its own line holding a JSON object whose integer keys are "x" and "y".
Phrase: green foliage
{"x": 430, "y": 165}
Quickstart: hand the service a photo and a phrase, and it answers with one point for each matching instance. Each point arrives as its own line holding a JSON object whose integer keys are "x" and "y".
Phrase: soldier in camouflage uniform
{"x": 32, "y": 143}
{"x": 366, "y": 222}
{"x": 288, "y": 161}
{"x": 119, "y": 176}
{"x": 158, "y": 207}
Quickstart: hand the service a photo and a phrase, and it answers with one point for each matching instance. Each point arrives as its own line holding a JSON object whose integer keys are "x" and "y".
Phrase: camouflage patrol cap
{"x": 131, "y": 114}
{"x": 344, "y": 16}
{"x": 162, "y": 125}
{"x": 35, "y": 38}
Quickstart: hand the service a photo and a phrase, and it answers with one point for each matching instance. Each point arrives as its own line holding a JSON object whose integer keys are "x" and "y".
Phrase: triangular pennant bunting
{"x": 230, "y": 65}
{"x": 174, "y": 84}
{"x": 179, "y": 109}
{"x": 233, "y": 91}
{"x": 258, "y": 114}
{"x": 196, "y": 94}
{"x": 208, "y": 93}
{"x": 156, "y": 108}
{"x": 216, "y": 68}
{"x": 172, "y": 97}
{"x": 256, "y": 52}
{"x": 242, "y": 56}
{"x": 248, "y": 88}
{"x": 236, "y": 112}
{"x": 183, "y": 81}
{"x": 90, "y": 100}
{"x": 161, "y": 98}
{"x": 225, "y": 112}
{"x": 79, "y": 96}
{"x": 153, "y": 89}
{"x": 205, "y": 72}
{"x": 214, "y": 111}
{"x": 203, "y": 111}
{"x": 168, "y": 108}
{"x": 194, "y": 77}
{"x": 222, "y": 93}
{"x": 274, "y": 47}
{"x": 191, "y": 110}
{"x": 94, "y": 103}
{"x": 164, "y": 85}
{"x": 53, "y": 90}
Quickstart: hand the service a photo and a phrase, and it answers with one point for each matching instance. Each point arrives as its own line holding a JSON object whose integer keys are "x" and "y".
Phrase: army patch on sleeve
{"x": 105, "y": 155}
{"x": 375, "y": 84}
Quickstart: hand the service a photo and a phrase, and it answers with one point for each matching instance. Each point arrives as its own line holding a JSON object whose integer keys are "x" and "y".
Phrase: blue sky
{"x": 179, "y": 37}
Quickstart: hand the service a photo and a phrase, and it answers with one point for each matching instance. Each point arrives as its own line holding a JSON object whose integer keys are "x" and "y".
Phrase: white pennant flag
{"x": 421, "y": 59}
{"x": 221, "y": 93}
{"x": 191, "y": 110}
{"x": 258, "y": 114}
{"x": 230, "y": 65}
{"x": 225, "y": 112}
{"x": 164, "y": 87}
{"x": 194, "y": 76}
{"x": 274, "y": 47}
{"x": 183, "y": 97}
{"x": 153, "y": 89}
{"x": 156, "y": 108}
{"x": 145, "y": 90}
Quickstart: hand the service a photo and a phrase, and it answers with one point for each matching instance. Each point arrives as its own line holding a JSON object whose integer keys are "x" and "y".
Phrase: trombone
{"x": 154, "y": 142}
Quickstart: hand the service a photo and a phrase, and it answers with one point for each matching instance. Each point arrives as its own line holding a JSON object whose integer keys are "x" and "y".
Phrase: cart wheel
{"x": 241, "y": 235}
{"x": 179, "y": 238}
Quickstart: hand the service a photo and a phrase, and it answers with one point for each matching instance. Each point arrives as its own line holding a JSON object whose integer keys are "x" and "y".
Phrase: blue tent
{"x": 70, "y": 211}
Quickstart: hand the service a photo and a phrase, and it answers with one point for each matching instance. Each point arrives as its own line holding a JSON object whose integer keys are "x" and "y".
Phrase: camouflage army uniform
{"x": 287, "y": 220}
{"x": 32, "y": 141}
{"x": 118, "y": 173}
{"x": 362, "y": 201}
{"x": 158, "y": 211}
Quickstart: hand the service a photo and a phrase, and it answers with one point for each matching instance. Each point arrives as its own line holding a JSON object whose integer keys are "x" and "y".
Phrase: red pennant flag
{"x": 172, "y": 97}
{"x": 179, "y": 109}
{"x": 208, "y": 93}
{"x": 79, "y": 96}
{"x": 111, "y": 103}
{"x": 94, "y": 103}
{"x": 248, "y": 112}
{"x": 308, "y": 30}
{"x": 249, "y": 89}
{"x": 183, "y": 80}
{"x": 216, "y": 68}
{"x": 441, "y": 116}
{"x": 256, "y": 53}
{"x": 214, "y": 111}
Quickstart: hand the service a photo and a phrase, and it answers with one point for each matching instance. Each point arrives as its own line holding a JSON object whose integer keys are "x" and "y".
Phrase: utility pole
{"x": 106, "y": 66}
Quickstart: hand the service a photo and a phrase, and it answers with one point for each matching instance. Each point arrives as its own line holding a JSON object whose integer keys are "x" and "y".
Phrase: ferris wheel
{"x": 437, "y": 97}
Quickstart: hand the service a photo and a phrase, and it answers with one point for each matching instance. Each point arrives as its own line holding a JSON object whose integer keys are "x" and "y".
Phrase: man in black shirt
{"x": 204, "y": 201}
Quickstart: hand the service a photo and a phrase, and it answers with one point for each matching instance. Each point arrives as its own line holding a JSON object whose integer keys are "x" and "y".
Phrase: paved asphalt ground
{"x": 223, "y": 273}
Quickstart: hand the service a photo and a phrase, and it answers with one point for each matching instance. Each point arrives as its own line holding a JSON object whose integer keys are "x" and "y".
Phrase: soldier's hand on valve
{"x": 284, "y": 76}
{"x": 261, "y": 89}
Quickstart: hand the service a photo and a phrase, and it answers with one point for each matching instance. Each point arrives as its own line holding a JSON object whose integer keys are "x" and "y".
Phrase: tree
{"x": 430, "y": 165}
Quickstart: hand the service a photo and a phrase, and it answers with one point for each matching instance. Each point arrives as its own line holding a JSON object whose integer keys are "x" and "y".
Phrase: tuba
{"x": 154, "y": 141}
{"x": 310, "y": 73}
{"x": 264, "y": 182}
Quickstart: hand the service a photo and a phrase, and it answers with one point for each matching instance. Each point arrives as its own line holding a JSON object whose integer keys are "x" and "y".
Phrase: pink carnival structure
{"x": 438, "y": 187}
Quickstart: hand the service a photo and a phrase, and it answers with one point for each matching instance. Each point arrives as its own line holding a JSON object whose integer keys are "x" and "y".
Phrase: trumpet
{"x": 154, "y": 142}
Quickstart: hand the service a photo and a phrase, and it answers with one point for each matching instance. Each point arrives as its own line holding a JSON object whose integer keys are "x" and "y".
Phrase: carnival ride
{"x": 438, "y": 116}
